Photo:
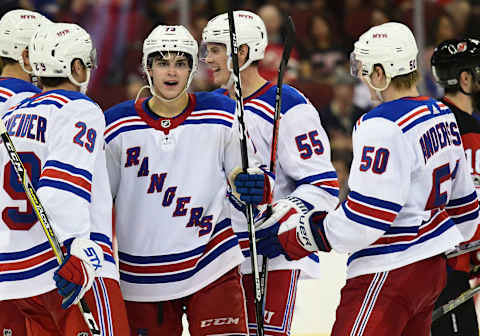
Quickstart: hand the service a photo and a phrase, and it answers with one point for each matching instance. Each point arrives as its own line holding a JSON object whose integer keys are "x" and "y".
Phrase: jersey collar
{"x": 264, "y": 88}
{"x": 161, "y": 123}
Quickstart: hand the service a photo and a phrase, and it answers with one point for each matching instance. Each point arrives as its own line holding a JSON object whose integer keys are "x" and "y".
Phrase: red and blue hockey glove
{"x": 252, "y": 187}
{"x": 75, "y": 275}
{"x": 293, "y": 230}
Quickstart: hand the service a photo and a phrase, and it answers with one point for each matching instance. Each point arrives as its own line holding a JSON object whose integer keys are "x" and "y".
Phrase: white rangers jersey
{"x": 169, "y": 181}
{"x": 303, "y": 170}
{"x": 59, "y": 137}
{"x": 13, "y": 91}
{"x": 411, "y": 196}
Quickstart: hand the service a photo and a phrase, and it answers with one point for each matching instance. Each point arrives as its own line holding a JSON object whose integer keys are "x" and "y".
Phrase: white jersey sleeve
{"x": 304, "y": 156}
{"x": 65, "y": 183}
{"x": 463, "y": 201}
{"x": 380, "y": 160}
{"x": 113, "y": 155}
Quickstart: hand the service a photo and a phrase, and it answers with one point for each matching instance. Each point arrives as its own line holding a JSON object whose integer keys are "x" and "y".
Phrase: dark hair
{"x": 158, "y": 54}
{"x": 53, "y": 81}
{"x": 8, "y": 60}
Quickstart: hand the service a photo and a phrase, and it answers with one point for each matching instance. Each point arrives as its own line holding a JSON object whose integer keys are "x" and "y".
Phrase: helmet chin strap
{"x": 378, "y": 90}
{"x": 83, "y": 85}
{"x": 20, "y": 61}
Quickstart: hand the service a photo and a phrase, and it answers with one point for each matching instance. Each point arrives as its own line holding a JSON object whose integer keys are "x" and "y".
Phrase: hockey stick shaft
{"x": 42, "y": 217}
{"x": 464, "y": 248}
{"x": 244, "y": 153}
{"x": 289, "y": 42}
{"x": 448, "y": 307}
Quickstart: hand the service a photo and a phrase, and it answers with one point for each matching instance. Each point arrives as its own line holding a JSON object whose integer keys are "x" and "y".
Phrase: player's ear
{"x": 78, "y": 70}
{"x": 242, "y": 54}
{"x": 26, "y": 59}
{"x": 465, "y": 80}
{"x": 378, "y": 72}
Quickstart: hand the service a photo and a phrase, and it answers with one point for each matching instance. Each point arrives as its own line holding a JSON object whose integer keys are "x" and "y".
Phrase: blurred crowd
{"x": 325, "y": 31}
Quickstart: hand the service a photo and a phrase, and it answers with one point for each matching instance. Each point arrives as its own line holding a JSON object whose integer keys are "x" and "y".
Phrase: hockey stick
{"x": 42, "y": 217}
{"x": 461, "y": 299}
{"x": 464, "y": 248}
{"x": 289, "y": 42}
{"x": 243, "y": 148}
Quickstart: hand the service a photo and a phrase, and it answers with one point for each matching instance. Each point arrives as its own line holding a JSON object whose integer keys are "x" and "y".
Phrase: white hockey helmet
{"x": 53, "y": 49}
{"x": 16, "y": 29}
{"x": 392, "y": 45}
{"x": 250, "y": 30}
{"x": 164, "y": 39}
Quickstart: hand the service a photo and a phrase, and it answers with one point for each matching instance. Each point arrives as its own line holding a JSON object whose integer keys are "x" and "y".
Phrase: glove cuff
{"x": 317, "y": 229}
{"x": 88, "y": 252}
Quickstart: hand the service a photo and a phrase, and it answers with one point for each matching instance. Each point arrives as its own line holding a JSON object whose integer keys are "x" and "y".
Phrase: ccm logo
{"x": 219, "y": 321}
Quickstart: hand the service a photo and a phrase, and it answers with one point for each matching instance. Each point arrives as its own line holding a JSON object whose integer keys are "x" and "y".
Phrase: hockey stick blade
{"x": 42, "y": 217}
{"x": 244, "y": 153}
{"x": 448, "y": 307}
{"x": 462, "y": 249}
{"x": 289, "y": 43}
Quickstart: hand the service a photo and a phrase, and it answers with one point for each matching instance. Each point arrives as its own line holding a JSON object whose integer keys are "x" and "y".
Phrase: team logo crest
{"x": 462, "y": 46}
{"x": 83, "y": 333}
{"x": 7, "y": 332}
{"x": 165, "y": 123}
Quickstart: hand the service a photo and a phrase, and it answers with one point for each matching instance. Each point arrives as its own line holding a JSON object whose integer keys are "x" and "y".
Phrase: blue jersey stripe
{"x": 101, "y": 238}
{"x": 70, "y": 168}
{"x": 463, "y": 200}
{"x": 9, "y": 256}
{"x": 261, "y": 114}
{"x": 424, "y": 118}
{"x": 145, "y": 279}
{"x": 124, "y": 129}
{"x": 375, "y": 201}
{"x": 468, "y": 217}
{"x": 208, "y": 121}
{"x": 31, "y": 273}
{"x": 46, "y": 102}
{"x": 373, "y": 251}
{"x": 315, "y": 178}
{"x": 363, "y": 220}
{"x": 331, "y": 191}
{"x": 45, "y": 182}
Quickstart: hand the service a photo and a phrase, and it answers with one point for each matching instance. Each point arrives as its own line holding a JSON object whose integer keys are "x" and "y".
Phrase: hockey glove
{"x": 75, "y": 275}
{"x": 292, "y": 230}
{"x": 252, "y": 187}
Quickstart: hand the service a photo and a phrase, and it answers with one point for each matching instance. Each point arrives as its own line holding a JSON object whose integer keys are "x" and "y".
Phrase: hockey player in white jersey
{"x": 16, "y": 29}
{"x": 58, "y": 134}
{"x": 411, "y": 199}
{"x": 304, "y": 173}
{"x": 169, "y": 157}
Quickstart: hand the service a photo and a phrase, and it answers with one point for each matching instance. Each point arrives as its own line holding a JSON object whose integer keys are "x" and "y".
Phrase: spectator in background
{"x": 441, "y": 29}
{"x": 268, "y": 67}
{"x": 341, "y": 114}
{"x": 322, "y": 51}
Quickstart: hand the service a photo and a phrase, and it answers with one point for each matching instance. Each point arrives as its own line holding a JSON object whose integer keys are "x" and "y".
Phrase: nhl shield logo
{"x": 165, "y": 123}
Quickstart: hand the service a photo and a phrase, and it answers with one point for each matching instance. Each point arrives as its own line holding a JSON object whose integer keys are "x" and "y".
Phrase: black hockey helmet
{"x": 452, "y": 57}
